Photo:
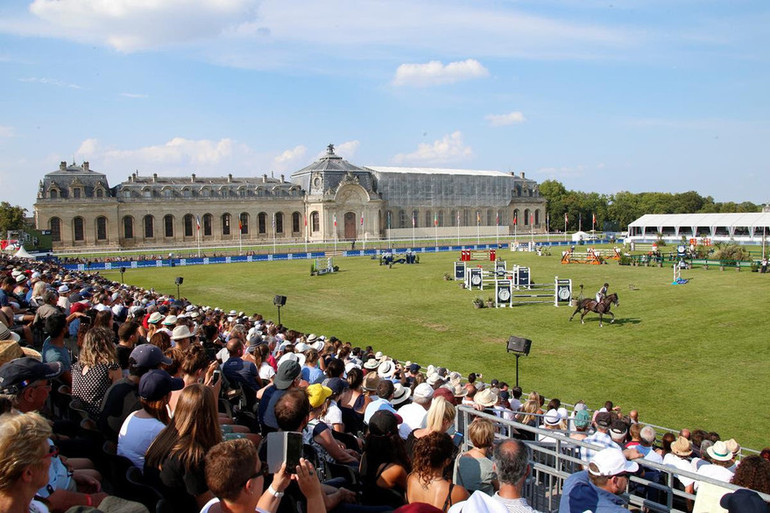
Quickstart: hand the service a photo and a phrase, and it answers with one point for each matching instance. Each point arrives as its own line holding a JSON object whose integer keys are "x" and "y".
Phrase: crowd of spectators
{"x": 186, "y": 397}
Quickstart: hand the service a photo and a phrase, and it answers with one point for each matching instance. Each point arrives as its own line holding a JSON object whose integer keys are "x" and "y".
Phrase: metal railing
{"x": 553, "y": 461}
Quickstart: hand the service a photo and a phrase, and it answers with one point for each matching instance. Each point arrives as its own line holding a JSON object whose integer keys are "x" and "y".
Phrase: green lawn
{"x": 693, "y": 355}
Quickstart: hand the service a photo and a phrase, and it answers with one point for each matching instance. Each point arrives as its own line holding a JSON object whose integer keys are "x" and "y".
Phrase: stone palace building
{"x": 331, "y": 199}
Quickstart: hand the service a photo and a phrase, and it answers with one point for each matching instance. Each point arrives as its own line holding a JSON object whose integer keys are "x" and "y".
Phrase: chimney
{"x": 155, "y": 178}
{"x": 230, "y": 178}
{"x": 264, "y": 178}
{"x": 62, "y": 166}
{"x": 282, "y": 180}
{"x": 193, "y": 178}
{"x": 522, "y": 174}
{"x": 85, "y": 166}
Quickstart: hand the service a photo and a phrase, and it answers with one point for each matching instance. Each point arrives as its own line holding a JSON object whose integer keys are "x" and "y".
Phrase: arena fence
{"x": 552, "y": 462}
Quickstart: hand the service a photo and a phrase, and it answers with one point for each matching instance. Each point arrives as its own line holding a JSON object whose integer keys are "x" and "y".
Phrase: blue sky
{"x": 603, "y": 96}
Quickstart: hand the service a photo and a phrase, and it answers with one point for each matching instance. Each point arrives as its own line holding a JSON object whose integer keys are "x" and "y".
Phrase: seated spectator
{"x": 753, "y": 472}
{"x": 679, "y": 458}
{"x": 528, "y": 416}
{"x": 474, "y": 469}
{"x": 441, "y": 416}
{"x": 432, "y": 455}
{"x": 743, "y": 501}
{"x": 122, "y": 397}
{"x": 142, "y": 426}
{"x": 54, "y": 349}
{"x": 721, "y": 460}
{"x": 385, "y": 464}
{"x": 96, "y": 369}
{"x": 599, "y": 487}
{"x": 235, "y": 476}
{"x": 128, "y": 335}
{"x": 415, "y": 413}
{"x": 332, "y": 414}
{"x": 175, "y": 460}
{"x": 603, "y": 420}
{"x": 318, "y": 434}
{"x": 385, "y": 391}
{"x": 582, "y": 421}
{"x": 353, "y": 402}
{"x": 25, "y": 458}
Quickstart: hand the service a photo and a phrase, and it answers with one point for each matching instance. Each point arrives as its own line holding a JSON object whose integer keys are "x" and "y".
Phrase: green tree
{"x": 11, "y": 218}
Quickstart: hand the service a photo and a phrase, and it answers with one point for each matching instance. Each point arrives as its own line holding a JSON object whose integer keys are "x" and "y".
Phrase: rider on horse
{"x": 602, "y": 293}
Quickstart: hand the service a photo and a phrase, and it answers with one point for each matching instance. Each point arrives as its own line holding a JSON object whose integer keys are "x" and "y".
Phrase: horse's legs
{"x": 583, "y": 315}
{"x": 613, "y": 317}
{"x": 600, "y": 320}
{"x": 573, "y": 313}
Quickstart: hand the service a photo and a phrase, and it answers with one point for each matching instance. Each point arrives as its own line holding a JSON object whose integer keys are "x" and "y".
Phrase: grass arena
{"x": 693, "y": 355}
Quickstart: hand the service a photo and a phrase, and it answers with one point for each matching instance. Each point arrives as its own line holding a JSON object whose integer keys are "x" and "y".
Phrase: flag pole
{"x": 274, "y": 233}
{"x": 198, "y": 224}
{"x": 306, "y": 234}
{"x": 414, "y": 223}
{"x": 478, "y": 233}
{"x": 240, "y": 237}
{"x": 458, "y": 227}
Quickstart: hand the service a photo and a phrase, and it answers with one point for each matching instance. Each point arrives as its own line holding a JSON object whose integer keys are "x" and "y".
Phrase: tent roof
{"x": 739, "y": 219}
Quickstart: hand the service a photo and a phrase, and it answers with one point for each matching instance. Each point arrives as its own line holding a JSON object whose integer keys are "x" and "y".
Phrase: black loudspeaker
{"x": 179, "y": 280}
{"x": 519, "y": 345}
{"x": 279, "y": 300}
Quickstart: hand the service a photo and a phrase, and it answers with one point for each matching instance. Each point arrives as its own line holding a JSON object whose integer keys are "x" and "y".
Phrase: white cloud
{"x": 49, "y": 81}
{"x": 133, "y": 95}
{"x": 289, "y": 159}
{"x": 448, "y": 149}
{"x": 436, "y": 73}
{"x": 505, "y": 119}
{"x": 7, "y": 131}
{"x": 175, "y": 157}
{"x": 131, "y": 25}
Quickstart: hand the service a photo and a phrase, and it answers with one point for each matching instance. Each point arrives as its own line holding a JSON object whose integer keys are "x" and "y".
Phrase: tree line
{"x": 614, "y": 212}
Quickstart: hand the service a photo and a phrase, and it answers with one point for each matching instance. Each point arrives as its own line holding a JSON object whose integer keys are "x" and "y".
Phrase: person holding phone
{"x": 236, "y": 477}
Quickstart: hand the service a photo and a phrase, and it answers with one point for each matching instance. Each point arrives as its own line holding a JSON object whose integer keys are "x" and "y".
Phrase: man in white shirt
{"x": 415, "y": 412}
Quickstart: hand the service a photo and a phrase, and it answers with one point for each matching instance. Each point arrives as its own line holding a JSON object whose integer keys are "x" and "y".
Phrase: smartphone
{"x": 283, "y": 446}
{"x": 215, "y": 377}
{"x": 85, "y": 319}
{"x": 457, "y": 439}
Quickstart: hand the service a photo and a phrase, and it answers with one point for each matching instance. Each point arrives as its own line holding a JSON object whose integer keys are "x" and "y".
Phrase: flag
{"x": 497, "y": 219}
{"x": 531, "y": 218}
{"x": 362, "y": 219}
{"x": 515, "y": 219}
{"x": 240, "y": 226}
{"x": 594, "y": 219}
{"x": 435, "y": 219}
{"x": 414, "y": 220}
{"x": 273, "y": 223}
{"x": 305, "y": 220}
{"x": 335, "y": 220}
{"x": 388, "y": 219}
{"x": 478, "y": 217}
{"x": 458, "y": 218}
{"x": 198, "y": 222}
{"x": 566, "y": 219}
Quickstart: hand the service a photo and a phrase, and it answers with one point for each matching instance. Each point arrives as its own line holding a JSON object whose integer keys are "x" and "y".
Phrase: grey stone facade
{"x": 329, "y": 199}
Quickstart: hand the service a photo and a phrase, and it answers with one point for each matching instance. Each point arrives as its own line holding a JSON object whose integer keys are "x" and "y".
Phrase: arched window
{"x": 315, "y": 223}
{"x": 147, "y": 192}
{"x": 188, "y": 225}
{"x": 207, "y": 225}
{"x": 401, "y": 218}
{"x": 278, "y": 222}
{"x": 149, "y": 227}
{"x": 128, "y": 227}
{"x": 415, "y": 218}
{"x": 441, "y": 218}
{"x": 526, "y": 217}
{"x": 77, "y": 228}
{"x": 76, "y": 192}
{"x": 99, "y": 193}
{"x": 101, "y": 228}
{"x": 428, "y": 218}
{"x": 491, "y": 218}
{"x": 168, "y": 225}
{"x": 55, "y": 229}
{"x": 466, "y": 217}
{"x": 537, "y": 217}
{"x": 295, "y": 217}
{"x": 501, "y": 220}
{"x": 244, "y": 223}
{"x": 455, "y": 218}
{"x": 225, "y": 224}
{"x": 262, "y": 223}
{"x": 54, "y": 194}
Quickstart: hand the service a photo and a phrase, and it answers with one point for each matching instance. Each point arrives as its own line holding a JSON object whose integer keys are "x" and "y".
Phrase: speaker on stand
{"x": 279, "y": 301}
{"x": 519, "y": 347}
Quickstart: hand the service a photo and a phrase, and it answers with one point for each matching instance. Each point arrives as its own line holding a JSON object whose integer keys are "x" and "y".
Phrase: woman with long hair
{"x": 175, "y": 460}
{"x": 160, "y": 339}
{"x": 142, "y": 426}
{"x": 432, "y": 454}
{"x": 529, "y": 417}
{"x": 474, "y": 469}
{"x": 384, "y": 464}
{"x": 96, "y": 370}
{"x": 441, "y": 416}
{"x": 353, "y": 401}
{"x": 753, "y": 472}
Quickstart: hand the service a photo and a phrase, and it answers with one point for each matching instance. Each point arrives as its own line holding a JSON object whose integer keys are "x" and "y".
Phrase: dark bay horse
{"x": 602, "y": 307}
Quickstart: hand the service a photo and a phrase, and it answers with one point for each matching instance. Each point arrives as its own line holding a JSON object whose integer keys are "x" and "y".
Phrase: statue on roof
{"x": 330, "y": 149}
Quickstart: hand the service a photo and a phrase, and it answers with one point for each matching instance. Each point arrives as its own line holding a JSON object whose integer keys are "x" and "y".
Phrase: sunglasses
{"x": 262, "y": 472}
{"x": 53, "y": 452}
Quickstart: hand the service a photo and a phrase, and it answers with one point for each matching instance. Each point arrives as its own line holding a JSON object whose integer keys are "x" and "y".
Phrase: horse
{"x": 602, "y": 307}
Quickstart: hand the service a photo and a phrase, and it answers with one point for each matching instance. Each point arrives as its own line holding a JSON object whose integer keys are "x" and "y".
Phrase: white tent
{"x": 749, "y": 227}
{"x": 22, "y": 253}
